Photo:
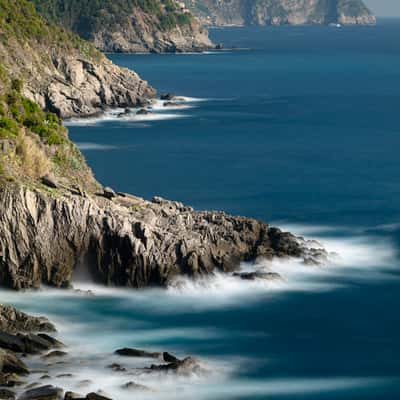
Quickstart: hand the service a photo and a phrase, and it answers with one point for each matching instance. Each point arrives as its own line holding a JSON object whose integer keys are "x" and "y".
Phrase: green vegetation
{"x": 86, "y": 17}
{"x": 23, "y": 112}
{"x": 19, "y": 21}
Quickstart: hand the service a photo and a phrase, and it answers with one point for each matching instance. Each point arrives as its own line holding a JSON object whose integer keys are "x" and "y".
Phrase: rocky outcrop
{"x": 279, "y": 12}
{"x": 126, "y": 241}
{"x": 82, "y": 87}
{"x": 121, "y": 26}
{"x": 141, "y": 35}
{"x": 59, "y": 71}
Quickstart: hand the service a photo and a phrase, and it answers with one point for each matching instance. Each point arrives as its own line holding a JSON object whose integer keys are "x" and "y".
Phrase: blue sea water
{"x": 298, "y": 126}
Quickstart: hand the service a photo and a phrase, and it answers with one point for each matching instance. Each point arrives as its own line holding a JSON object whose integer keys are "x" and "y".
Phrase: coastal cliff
{"x": 126, "y": 241}
{"x": 130, "y": 26}
{"x": 59, "y": 71}
{"x": 56, "y": 219}
{"x": 281, "y": 12}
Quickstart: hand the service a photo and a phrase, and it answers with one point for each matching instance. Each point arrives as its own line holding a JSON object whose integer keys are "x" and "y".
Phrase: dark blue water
{"x": 303, "y": 127}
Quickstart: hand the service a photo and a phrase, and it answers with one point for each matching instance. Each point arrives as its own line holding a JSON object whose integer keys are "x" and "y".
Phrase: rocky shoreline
{"x": 23, "y": 337}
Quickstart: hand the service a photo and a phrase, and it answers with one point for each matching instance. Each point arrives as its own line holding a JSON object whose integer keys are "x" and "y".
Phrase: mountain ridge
{"x": 281, "y": 12}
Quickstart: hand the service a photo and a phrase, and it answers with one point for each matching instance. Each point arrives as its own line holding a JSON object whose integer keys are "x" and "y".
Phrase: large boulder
{"x": 47, "y": 392}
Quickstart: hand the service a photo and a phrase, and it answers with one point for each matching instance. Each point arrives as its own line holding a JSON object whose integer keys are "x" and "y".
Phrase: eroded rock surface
{"x": 126, "y": 241}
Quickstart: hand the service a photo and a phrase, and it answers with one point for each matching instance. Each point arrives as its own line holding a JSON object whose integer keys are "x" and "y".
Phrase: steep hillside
{"x": 58, "y": 70}
{"x": 279, "y": 12}
{"x": 129, "y": 25}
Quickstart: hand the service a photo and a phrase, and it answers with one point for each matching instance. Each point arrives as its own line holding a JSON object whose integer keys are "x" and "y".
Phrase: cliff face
{"x": 279, "y": 12}
{"x": 130, "y": 25}
{"x": 124, "y": 242}
{"x": 61, "y": 72}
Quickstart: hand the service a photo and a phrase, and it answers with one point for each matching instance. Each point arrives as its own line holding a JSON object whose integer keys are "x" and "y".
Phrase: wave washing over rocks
{"x": 97, "y": 363}
{"x": 169, "y": 106}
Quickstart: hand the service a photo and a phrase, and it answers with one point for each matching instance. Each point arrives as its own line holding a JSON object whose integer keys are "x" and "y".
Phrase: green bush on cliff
{"x": 87, "y": 17}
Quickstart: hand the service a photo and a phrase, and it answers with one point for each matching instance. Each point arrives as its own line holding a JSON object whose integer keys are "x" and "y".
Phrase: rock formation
{"x": 129, "y": 25}
{"x": 125, "y": 241}
{"x": 61, "y": 72}
{"x": 280, "y": 12}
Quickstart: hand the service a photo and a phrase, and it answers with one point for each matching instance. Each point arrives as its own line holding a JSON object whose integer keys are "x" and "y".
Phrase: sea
{"x": 296, "y": 126}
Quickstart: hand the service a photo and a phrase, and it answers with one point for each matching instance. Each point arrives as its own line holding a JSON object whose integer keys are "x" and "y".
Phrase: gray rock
{"x": 47, "y": 392}
{"x": 128, "y": 352}
{"x": 12, "y": 342}
{"x": 10, "y": 363}
{"x": 135, "y": 244}
{"x": 13, "y": 321}
{"x": 52, "y": 341}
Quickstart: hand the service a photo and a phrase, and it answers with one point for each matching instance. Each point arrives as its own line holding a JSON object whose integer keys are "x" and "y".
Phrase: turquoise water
{"x": 301, "y": 129}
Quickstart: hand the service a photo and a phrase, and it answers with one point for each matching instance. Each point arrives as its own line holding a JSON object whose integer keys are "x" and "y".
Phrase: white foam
{"x": 91, "y": 341}
{"x": 94, "y": 146}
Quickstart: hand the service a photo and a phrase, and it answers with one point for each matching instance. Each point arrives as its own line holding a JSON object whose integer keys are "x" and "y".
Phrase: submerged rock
{"x": 55, "y": 354}
{"x": 143, "y": 111}
{"x": 252, "y": 276}
{"x": 135, "y": 386}
{"x": 186, "y": 367}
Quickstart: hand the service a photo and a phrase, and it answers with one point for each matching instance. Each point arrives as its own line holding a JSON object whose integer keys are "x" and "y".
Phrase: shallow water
{"x": 301, "y": 130}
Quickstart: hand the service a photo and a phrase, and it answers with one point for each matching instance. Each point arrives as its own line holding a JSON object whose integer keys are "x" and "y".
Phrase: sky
{"x": 384, "y": 8}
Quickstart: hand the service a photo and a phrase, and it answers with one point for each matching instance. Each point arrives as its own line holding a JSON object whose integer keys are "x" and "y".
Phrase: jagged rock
{"x": 10, "y": 363}
{"x": 7, "y": 394}
{"x": 35, "y": 344}
{"x": 169, "y": 358}
{"x": 12, "y": 320}
{"x": 52, "y": 341}
{"x": 12, "y": 342}
{"x": 128, "y": 352}
{"x": 252, "y": 276}
{"x": 135, "y": 244}
{"x": 47, "y": 392}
